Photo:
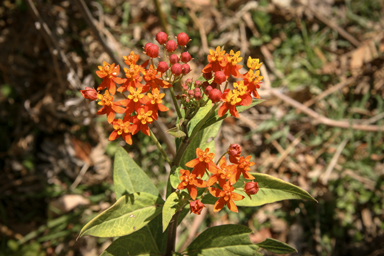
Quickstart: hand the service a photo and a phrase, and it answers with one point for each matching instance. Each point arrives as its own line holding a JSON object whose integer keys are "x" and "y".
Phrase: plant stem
{"x": 158, "y": 145}
{"x": 171, "y": 238}
{"x": 175, "y": 103}
{"x": 218, "y": 161}
{"x": 202, "y": 122}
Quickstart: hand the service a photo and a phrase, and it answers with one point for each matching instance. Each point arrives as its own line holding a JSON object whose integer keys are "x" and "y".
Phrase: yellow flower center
{"x": 145, "y": 117}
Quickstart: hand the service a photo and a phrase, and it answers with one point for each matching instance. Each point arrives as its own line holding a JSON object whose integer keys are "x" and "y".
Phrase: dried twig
{"x": 194, "y": 228}
{"x": 333, "y": 162}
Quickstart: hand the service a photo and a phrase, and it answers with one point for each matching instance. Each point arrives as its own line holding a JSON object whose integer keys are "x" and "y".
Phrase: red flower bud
{"x": 234, "y": 152}
{"x": 152, "y": 51}
{"x": 182, "y": 39}
{"x": 185, "y": 57}
{"x": 188, "y": 81}
{"x": 208, "y": 90}
{"x": 197, "y": 89}
{"x": 185, "y": 88}
{"x": 146, "y": 46}
{"x": 191, "y": 92}
{"x": 89, "y": 93}
{"x": 220, "y": 77}
{"x": 214, "y": 85}
{"x": 197, "y": 83}
{"x": 161, "y": 37}
{"x": 207, "y": 76}
{"x": 162, "y": 67}
{"x": 185, "y": 69}
{"x": 197, "y": 95}
{"x": 251, "y": 188}
{"x": 176, "y": 69}
{"x": 214, "y": 95}
{"x": 205, "y": 85}
{"x": 196, "y": 206}
{"x": 174, "y": 59}
{"x": 171, "y": 46}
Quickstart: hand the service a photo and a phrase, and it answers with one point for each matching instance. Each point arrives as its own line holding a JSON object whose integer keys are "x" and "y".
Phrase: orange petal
{"x": 192, "y": 163}
{"x": 128, "y": 138}
{"x": 110, "y": 115}
{"x": 248, "y": 176}
{"x": 231, "y": 205}
{"x": 214, "y": 191}
{"x": 236, "y": 197}
{"x": 223, "y": 109}
{"x": 192, "y": 191}
{"x": 212, "y": 180}
{"x": 114, "y": 135}
{"x": 219, "y": 205}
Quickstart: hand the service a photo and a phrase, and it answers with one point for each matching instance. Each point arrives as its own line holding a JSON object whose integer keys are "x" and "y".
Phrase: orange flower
{"x": 153, "y": 102}
{"x": 253, "y": 64}
{"x": 202, "y": 162}
{"x": 133, "y": 78}
{"x": 134, "y": 101}
{"x": 152, "y": 79}
{"x": 253, "y": 80}
{"x": 109, "y": 74}
{"x": 224, "y": 173}
{"x": 216, "y": 61}
{"x": 226, "y": 197}
{"x": 196, "y": 207}
{"x": 244, "y": 167}
{"x": 243, "y": 94}
{"x": 121, "y": 129}
{"x": 231, "y": 100}
{"x": 131, "y": 59}
{"x": 232, "y": 67}
{"x": 142, "y": 120}
{"x": 189, "y": 181}
{"x": 110, "y": 107}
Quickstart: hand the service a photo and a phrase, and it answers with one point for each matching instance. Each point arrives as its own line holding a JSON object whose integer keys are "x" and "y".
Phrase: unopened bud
{"x": 176, "y": 69}
{"x": 152, "y": 51}
{"x": 214, "y": 95}
{"x": 196, "y": 207}
{"x": 219, "y": 77}
{"x": 162, "y": 67}
{"x": 207, "y": 76}
{"x": 185, "y": 69}
{"x": 89, "y": 93}
{"x": 174, "y": 59}
{"x": 185, "y": 57}
{"x": 161, "y": 37}
{"x": 251, "y": 188}
{"x": 182, "y": 39}
{"x": 171, "y": 46}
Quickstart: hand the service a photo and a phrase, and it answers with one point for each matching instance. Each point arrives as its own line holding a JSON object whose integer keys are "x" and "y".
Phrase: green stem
{"x": 218, "y": 161}
{"x": 161, "y": 16}
{"x": 158, "y": 145}
{"x": 175, "y": 103}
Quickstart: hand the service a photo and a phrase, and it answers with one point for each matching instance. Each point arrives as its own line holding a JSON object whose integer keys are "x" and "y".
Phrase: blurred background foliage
{"x": 56, "y": 161}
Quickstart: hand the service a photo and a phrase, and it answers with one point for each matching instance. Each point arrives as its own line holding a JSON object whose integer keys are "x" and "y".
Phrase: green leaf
{"x": 271, "y": 190}
{"x": 140, "y": 243}
{"x": 176, "y": 132}
{"x": 203, "y": 111}
{"x": 276, "y": 246}
{"x": 215, "y": 117}
{"x": 129, "y": 214}
{"x": 170, "y": 208}
{"x": 204, "y": 139}
{"x": 223, "y": 240}
{"x": 129, "y": 177}
{"x": 174, "y": 177}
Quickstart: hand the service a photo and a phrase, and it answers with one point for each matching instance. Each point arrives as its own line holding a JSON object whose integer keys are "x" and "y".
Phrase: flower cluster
{"x": 143, "y": 84}
{"x": 221, "y": 179}
{"x": 223, "y": 65}
{"x": 144, "y": 100}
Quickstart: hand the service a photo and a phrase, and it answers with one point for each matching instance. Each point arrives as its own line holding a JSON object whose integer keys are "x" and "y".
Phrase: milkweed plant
{"x": 141, "y": 220}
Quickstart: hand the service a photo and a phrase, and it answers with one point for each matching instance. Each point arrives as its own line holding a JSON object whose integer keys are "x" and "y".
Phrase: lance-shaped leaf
{"x": 223, "y": 240}
{"x": 129, "y": 214}
{"x": 271, "y": 190}
{"x": 171, "y": 206}
{"x": 141, "y": 243}
{"x": 276, "y": 246}
{"x": 129, "y": 178}
{"x": 203, "y": 111}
